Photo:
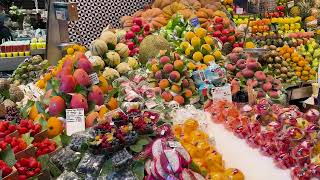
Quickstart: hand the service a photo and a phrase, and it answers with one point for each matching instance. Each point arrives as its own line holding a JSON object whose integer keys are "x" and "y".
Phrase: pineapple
{"x": 305, "y": 8}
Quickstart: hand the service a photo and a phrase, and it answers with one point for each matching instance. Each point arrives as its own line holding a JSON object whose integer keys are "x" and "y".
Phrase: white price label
{"x": 75, "y": 121}
{"x": 94, "y": 78}
{"x": 174, "y": 144}
{"x": 150, "y": 104}
{"x": 220, "y": 93}
{"x": 239, "y": 10}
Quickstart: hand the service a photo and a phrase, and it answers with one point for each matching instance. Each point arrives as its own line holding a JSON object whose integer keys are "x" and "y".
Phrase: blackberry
{"x": 131, "y": 138}
{"x": 121, "y": 159}
{"x": 13, "y": 114}
{"x": 121, "y": 175}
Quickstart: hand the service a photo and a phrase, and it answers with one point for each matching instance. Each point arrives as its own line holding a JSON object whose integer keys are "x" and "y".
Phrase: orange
{"x": 286, "y": 56}
{"x": 103, "y": 110}
{"x": 282, "y": 52}
{"x": 33, "y": 112}
{"x": 295, "y": 59}
{"x": 179, "y": 99}
{"x": 41, "y": 84}
{"x": 54, "y": 127}
{"x": 307, "y": 68}
{"x": 175, "y": 88}
{"x": 290, "y": 50}
{"x": 298, "y": 73}
{"x": 298, "y": 68}
{"x": 301, "y": 63}
{"x": 113, "y": 103}
{"x": 47, "y": 77}
{"x": 295, "y": 54}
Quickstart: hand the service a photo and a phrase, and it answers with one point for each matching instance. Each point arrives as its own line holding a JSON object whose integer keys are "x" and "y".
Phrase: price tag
{"x": 239, "y": 10}
{"x": 75, "y": 121}
{"x": 220, "y": 93}
{"x": 174, "y": 144}
{"x": 195, "y": 22}
{"x": 150, "y": 104}
{"x": 94, "y": 78}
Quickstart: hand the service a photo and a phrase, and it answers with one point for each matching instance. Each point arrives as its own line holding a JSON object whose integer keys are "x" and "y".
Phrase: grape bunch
{"x": 13, "y": 113}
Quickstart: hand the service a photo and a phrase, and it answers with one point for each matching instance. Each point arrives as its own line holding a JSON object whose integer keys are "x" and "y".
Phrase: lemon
{"x": 217, "y": 54}
{"x": 70, "y": 51}
{"x": 200, "y": 32}
{"x": 195, "y": 41}
{"x": 191, "y": 66}
{"x": 184, "y": 45}
{"x": 207, "y": 59}
{"x": 208, "y": 40}
{"x": 197, "y": 56}
{"x": 206, "y": 49}
{"x": 188, "y": 36}
{"x": 189, "y": 50}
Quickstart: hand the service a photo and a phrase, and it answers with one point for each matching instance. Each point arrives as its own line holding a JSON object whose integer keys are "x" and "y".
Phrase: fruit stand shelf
{"x": 295, "y": 93}
{"x": 10, "y": 64}
{"x": 38, "y": 52}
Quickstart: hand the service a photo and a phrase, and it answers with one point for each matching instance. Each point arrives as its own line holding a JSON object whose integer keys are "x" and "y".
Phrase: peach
{"x": 168, "y": 68}
{"x": 167, "y": 96}
{"x": 158, "y": 75}
{"x": 252, "y": 82}
{"x": 178, "y": 65}
{"x": 188, "y": 93}
{"x": 175, "y": 88}
{"x": 79, "y": 101}
{"x": 68, "y": 84}
{"x": 179, "y": 99}
{"x": 164, "y": 83}
{"x": 185, "y": 83}
{"x": 233, "y": 57}
{"x": 231, "y": 67}
{"x": 164, "y": 59}
{"x": 247, "y": 73}
{"x": 175, "y": 76}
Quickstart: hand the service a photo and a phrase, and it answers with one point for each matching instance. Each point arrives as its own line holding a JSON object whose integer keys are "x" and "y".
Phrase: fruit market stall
{"x": 185, "y": 90}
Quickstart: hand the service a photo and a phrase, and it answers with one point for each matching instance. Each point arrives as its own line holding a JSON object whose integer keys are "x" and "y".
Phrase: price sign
{"x": 222, "y": 93}
{"x": 75, "y": 121}
{"x": 194, "y": 21}
{"x": 94, "y": 78}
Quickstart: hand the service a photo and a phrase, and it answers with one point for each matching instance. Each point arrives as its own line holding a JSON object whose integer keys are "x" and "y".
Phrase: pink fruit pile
{"x": 169, "y": 161}
{"x": 285, "y": 134}
{"x": 75, "y": 73}
{"x": 222, "y": 30}
{"x": 136, "y": 34}
{"x": 247, "y": 70}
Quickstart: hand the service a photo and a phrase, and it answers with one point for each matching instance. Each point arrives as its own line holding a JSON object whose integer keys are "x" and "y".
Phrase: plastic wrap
{"x": 121, "y": 159}
{"x": 77, "y": 140}
{"x": 90, "y": 164}
{"x": 66, "y": 159}
{"x": 66, "y": 175}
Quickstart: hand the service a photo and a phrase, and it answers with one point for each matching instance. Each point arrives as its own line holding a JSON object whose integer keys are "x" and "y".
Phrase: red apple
{"x": 218, "y": 20}
{"x": 235, "y": 45}
{"x": 225, "y": 32}
{"x": 129, "y": 35}
{"x": 224, "y": 39}
{"x": 146, "y": 27}
{"x": 217, "y": 34}
{"x": 135, "y": 28}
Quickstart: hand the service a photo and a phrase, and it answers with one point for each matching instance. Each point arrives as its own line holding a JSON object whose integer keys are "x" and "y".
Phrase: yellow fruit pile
{"x": 203, "y": 154}
{"x": 200, "y": 48}
{"x": 301, "y": 66}
{"x": 75, "y": 48}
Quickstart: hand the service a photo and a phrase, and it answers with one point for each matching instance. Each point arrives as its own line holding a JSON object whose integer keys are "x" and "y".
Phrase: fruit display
{"x": 247, "y": 71}
{"x": 272, "y": 133}
{"x": 28, "y": 167}
{"x": 171, "y": 76}
{"x": 200, "y": 47}
{"x": 197, "y": 143}
{"x": 275, "y": 65}
{"x": 149, "y": 101}
{"x": 30, "y": 70}
{"x": 302, "y": 67}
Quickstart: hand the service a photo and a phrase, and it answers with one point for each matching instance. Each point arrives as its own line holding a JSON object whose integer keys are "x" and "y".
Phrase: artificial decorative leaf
{"x": 8, "y": 156}
{"x": 57, "y": 140}
{"x": 27, "y": 138}
{"x": 43, "y": 123}
{"x": 44, "y": 160}
{"x": 26, "y": 109}
{"x": 65, "y": 139}
{"x": 81, "y": 90}
{"x": 138, "y": 169}
{"x": 143, "y": 141}
{"x": 39, "y": 107}
{"x": 136, "y": 148}
{"x": 92, "y": 106}
{"x": 106, "y": 168}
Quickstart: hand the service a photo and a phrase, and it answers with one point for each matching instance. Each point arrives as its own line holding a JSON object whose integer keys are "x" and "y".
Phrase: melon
{"x": 97, "y": 62}
{"x": 113, "y": 59}
{"x": 150, "y": 47}
{"x": 109, "y": 38}
{"x": 122, "y": 50}
{"x": 98, "y": 47}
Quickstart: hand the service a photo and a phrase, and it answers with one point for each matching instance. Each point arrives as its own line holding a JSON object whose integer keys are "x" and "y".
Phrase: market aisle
{"x": 237, "y": 153}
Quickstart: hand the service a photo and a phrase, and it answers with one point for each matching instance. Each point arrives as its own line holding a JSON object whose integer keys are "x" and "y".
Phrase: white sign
{"x": 222, "y": 93}
{"x": 239, "y": 10}
{"x": 75, "y": 121}
{"x": 94, "y": 78}
{"x": 290, "y": 4}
